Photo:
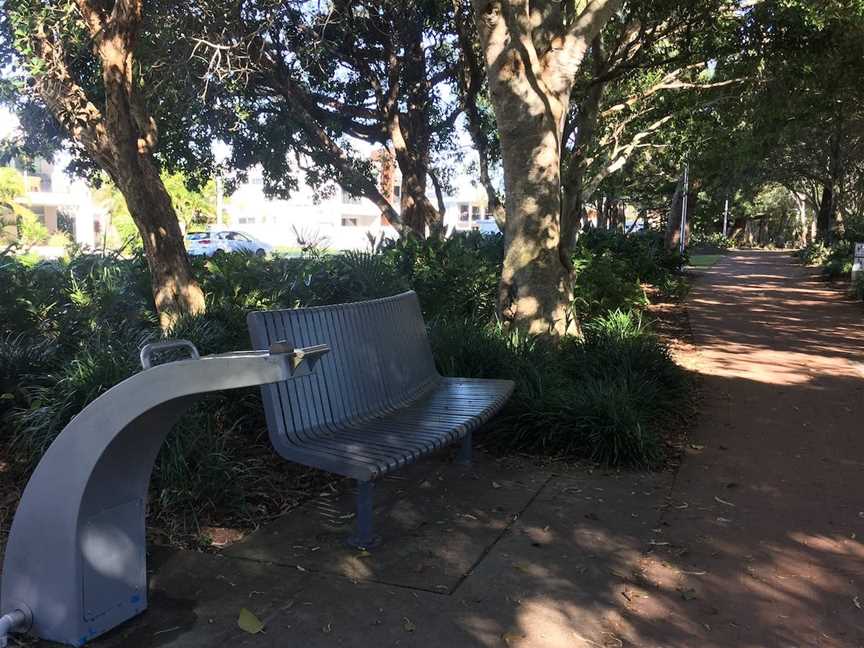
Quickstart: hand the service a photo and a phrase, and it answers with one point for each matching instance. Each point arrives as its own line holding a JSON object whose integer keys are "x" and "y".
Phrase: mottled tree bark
{"x": 533, "y": 51}
{"x": 121, "y": 138}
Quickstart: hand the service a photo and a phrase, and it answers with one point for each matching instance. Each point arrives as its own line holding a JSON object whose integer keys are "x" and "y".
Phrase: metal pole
{"x": 725, "y": 216}
{"x": 681, "y": 242}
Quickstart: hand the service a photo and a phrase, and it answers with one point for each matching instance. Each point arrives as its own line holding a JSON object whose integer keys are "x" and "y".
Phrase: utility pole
{"x": 682, "y": 243}
{"x": 725, "y": 216}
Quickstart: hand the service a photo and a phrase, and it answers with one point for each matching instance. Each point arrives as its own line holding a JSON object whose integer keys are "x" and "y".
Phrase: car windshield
{"x": 197, "y": 236}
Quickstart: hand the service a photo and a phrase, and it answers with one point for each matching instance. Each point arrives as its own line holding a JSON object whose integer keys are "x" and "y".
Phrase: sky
{"x": 8, "y": 123}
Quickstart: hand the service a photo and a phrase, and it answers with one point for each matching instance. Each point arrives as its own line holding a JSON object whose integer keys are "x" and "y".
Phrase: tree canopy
{"x": 580, "y": 106}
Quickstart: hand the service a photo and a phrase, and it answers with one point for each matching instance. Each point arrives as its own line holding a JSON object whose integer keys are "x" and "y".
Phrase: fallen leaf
{"x": 688, "y": 594}
{"x": 327, "y": 629}
{"x": 248, "y": 622}
{"x": 722, "y": 501}
{"x": 511, "y": 637}
{"x": 496, "y": 484}
{"x": 856, "y": 602}
{"x": 409, "y": 625}
{"x": 525, "y": 569}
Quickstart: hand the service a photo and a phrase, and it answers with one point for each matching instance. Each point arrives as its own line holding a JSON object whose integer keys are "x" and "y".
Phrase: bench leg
{"x": 464, "y": 457}
{"x": 363, "y": 536}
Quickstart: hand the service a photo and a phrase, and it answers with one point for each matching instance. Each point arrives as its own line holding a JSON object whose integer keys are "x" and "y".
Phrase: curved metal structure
{"x": 76, "y": 556}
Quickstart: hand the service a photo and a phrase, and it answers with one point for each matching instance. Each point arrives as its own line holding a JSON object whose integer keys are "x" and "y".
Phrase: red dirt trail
{"x": 762, "y": 539}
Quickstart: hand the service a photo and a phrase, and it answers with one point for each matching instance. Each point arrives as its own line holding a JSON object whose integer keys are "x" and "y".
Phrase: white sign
{"x": 858, "y": 264}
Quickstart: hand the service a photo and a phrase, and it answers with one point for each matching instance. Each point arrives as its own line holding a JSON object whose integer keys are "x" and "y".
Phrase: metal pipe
{"x": 13, "y": 622}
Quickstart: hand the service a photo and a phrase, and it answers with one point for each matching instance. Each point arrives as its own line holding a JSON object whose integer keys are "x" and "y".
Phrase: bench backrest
{"x": 379, "y": 359}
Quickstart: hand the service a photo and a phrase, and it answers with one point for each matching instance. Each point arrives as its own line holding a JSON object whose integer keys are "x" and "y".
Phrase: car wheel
{"x": 261, "y": 252}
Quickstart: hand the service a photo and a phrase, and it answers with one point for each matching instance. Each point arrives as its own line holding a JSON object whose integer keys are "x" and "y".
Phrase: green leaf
{"x": 248, "y": 622}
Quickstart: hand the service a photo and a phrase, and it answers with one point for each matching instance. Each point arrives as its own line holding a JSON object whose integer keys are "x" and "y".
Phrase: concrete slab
{"x": 436, "y": 520}
{"x": 558, "y": 577}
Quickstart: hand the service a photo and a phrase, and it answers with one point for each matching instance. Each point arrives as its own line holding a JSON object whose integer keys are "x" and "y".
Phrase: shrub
{"x": 605, "y": 283}
{"x": 711, "y": 241}
{"x": 456, "y": 278}
{"x": 72, "y": 328}
{"x": 31, "y": 231}
{"x": 813, "y": 253}
{"x": 835, "y": 260}
{"x": 607, "y": 396}
{"x": 612, "y": 269}
{"x": 838, "y": 261}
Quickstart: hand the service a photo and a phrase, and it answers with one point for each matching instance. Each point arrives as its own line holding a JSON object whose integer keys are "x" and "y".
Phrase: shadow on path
{"x": 756, "y": 543}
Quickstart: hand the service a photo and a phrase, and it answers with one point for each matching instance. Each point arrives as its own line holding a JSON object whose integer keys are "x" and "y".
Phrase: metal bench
{"x": 376, "y": 402}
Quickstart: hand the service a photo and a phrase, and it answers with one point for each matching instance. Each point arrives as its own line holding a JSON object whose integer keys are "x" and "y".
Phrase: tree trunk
{"x": 471, "y": 78}
{"x": 410, "y": 134}
{"x": 133, "y": 135}
{"x": 535, "y": 290}
{"x": 121, "y": 140}
{"x": 673, "y": 223}
{"x": 601, "y": 212}
{"x": 533, "y": 52}
{"x": 417, "y": 211}
{"x": 826, "y": 216}
{"x": 175, "y": 291}
{"x": 583, "y": 132}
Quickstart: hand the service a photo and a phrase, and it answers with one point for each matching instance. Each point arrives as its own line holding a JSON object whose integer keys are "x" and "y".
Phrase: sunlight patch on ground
{"x": 769, "y": 365}
{"x": 704, "y": 260}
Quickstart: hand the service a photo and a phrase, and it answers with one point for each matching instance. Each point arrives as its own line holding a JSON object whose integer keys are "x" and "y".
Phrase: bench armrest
{"x": 298, "y": 356}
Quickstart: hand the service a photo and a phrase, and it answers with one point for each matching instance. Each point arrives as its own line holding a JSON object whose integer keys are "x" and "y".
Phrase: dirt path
{"x": 762, "y": 542}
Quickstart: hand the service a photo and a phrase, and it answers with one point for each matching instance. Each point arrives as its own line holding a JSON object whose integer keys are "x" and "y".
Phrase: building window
{"x": 397, "y": 191}
{"x": 464, "y": 212}
{"x": 349, "y": 221}
{"x": 246, "y": 220}
{"x": 475, "y": 212}
{"x": 348, "y": 199}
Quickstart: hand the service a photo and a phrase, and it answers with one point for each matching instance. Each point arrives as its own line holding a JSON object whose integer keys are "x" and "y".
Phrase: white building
{"x": 51, "y": 195}
{"x": 334, "y": 219}
{"x": 331, "y": 219}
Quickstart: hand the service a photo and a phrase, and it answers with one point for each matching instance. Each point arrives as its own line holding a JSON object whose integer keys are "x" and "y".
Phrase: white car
{"x": 486, "y": 226}
{"x": 210, "y": 242}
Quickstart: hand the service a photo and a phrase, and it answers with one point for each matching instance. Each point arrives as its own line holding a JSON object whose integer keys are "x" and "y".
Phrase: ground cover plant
{"x": 73, "y": 328}
{"x": 836, "y": 258}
